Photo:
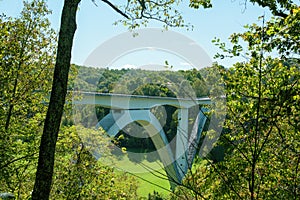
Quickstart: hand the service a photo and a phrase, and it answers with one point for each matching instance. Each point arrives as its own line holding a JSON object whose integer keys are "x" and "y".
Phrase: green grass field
{"x": 151, "y": 175}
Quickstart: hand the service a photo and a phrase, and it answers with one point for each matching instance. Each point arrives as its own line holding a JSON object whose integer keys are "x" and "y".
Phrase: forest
{"x": 42, "y": 153}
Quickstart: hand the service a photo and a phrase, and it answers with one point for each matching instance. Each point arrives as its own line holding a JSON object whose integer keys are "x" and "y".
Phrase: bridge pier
{"x": 182, "y": 142}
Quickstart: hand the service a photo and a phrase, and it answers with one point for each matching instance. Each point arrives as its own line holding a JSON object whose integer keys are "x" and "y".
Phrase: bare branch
{"x": 115, "y": 8}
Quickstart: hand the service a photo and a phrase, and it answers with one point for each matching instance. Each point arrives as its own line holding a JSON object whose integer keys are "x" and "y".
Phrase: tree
{"x": 77, "y": 173}
{"x": 135, "y": 13}
{"x": 279, "y": 8}
{"x": 26, "y": 54}
{"x": 261, "y": 135}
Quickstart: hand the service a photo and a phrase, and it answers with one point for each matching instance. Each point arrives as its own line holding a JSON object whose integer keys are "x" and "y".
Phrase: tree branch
{"x": 115, "y": 8}
{"x": 16, "y": 159}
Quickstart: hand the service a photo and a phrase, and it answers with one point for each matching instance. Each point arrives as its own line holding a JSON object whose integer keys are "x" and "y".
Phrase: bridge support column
{"x": 182, "y": 137}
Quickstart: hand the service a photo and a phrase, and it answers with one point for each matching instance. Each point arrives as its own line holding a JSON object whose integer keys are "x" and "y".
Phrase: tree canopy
{"x": 260, "y": 138}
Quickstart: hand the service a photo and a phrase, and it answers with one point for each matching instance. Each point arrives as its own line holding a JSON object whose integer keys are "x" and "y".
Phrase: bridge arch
{"x": 115, "y": 121}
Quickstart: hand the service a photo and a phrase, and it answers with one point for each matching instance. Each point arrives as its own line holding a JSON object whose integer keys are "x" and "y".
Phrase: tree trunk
{"x": 43, "y": 180}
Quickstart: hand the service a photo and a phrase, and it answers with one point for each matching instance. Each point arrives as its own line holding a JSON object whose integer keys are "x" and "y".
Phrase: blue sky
{"x": 95, "y": 24}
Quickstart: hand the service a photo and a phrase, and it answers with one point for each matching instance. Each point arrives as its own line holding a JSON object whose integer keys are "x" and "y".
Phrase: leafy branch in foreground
{"x": 261, "y": 134}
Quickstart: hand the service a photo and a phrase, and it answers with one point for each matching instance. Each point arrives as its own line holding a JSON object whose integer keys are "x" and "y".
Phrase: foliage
{"x": 26, "y": 69}
{"x": 140, "y": 12}
{"x": 264, "y": 131}
{"x": 279, "y": 8}
{"x": 26, "y": 54}
{"x": 155, "y": 196}
{"x": 140, "y": 82}
{"x": 198, "y": 3}
{"x": 78, "y": 175}
{"x": 261, "y": 133}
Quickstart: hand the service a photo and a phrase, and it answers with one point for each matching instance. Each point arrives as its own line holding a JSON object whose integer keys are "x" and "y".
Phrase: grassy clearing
{"x": 146, "y": 187}
{"x": 151, "y": 175}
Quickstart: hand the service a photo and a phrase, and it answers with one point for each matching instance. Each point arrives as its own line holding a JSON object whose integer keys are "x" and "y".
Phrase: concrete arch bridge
{"x": 125, "y": 109}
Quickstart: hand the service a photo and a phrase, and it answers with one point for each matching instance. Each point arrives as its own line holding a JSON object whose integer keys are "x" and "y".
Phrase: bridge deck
{"x": 125, "y": 101}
